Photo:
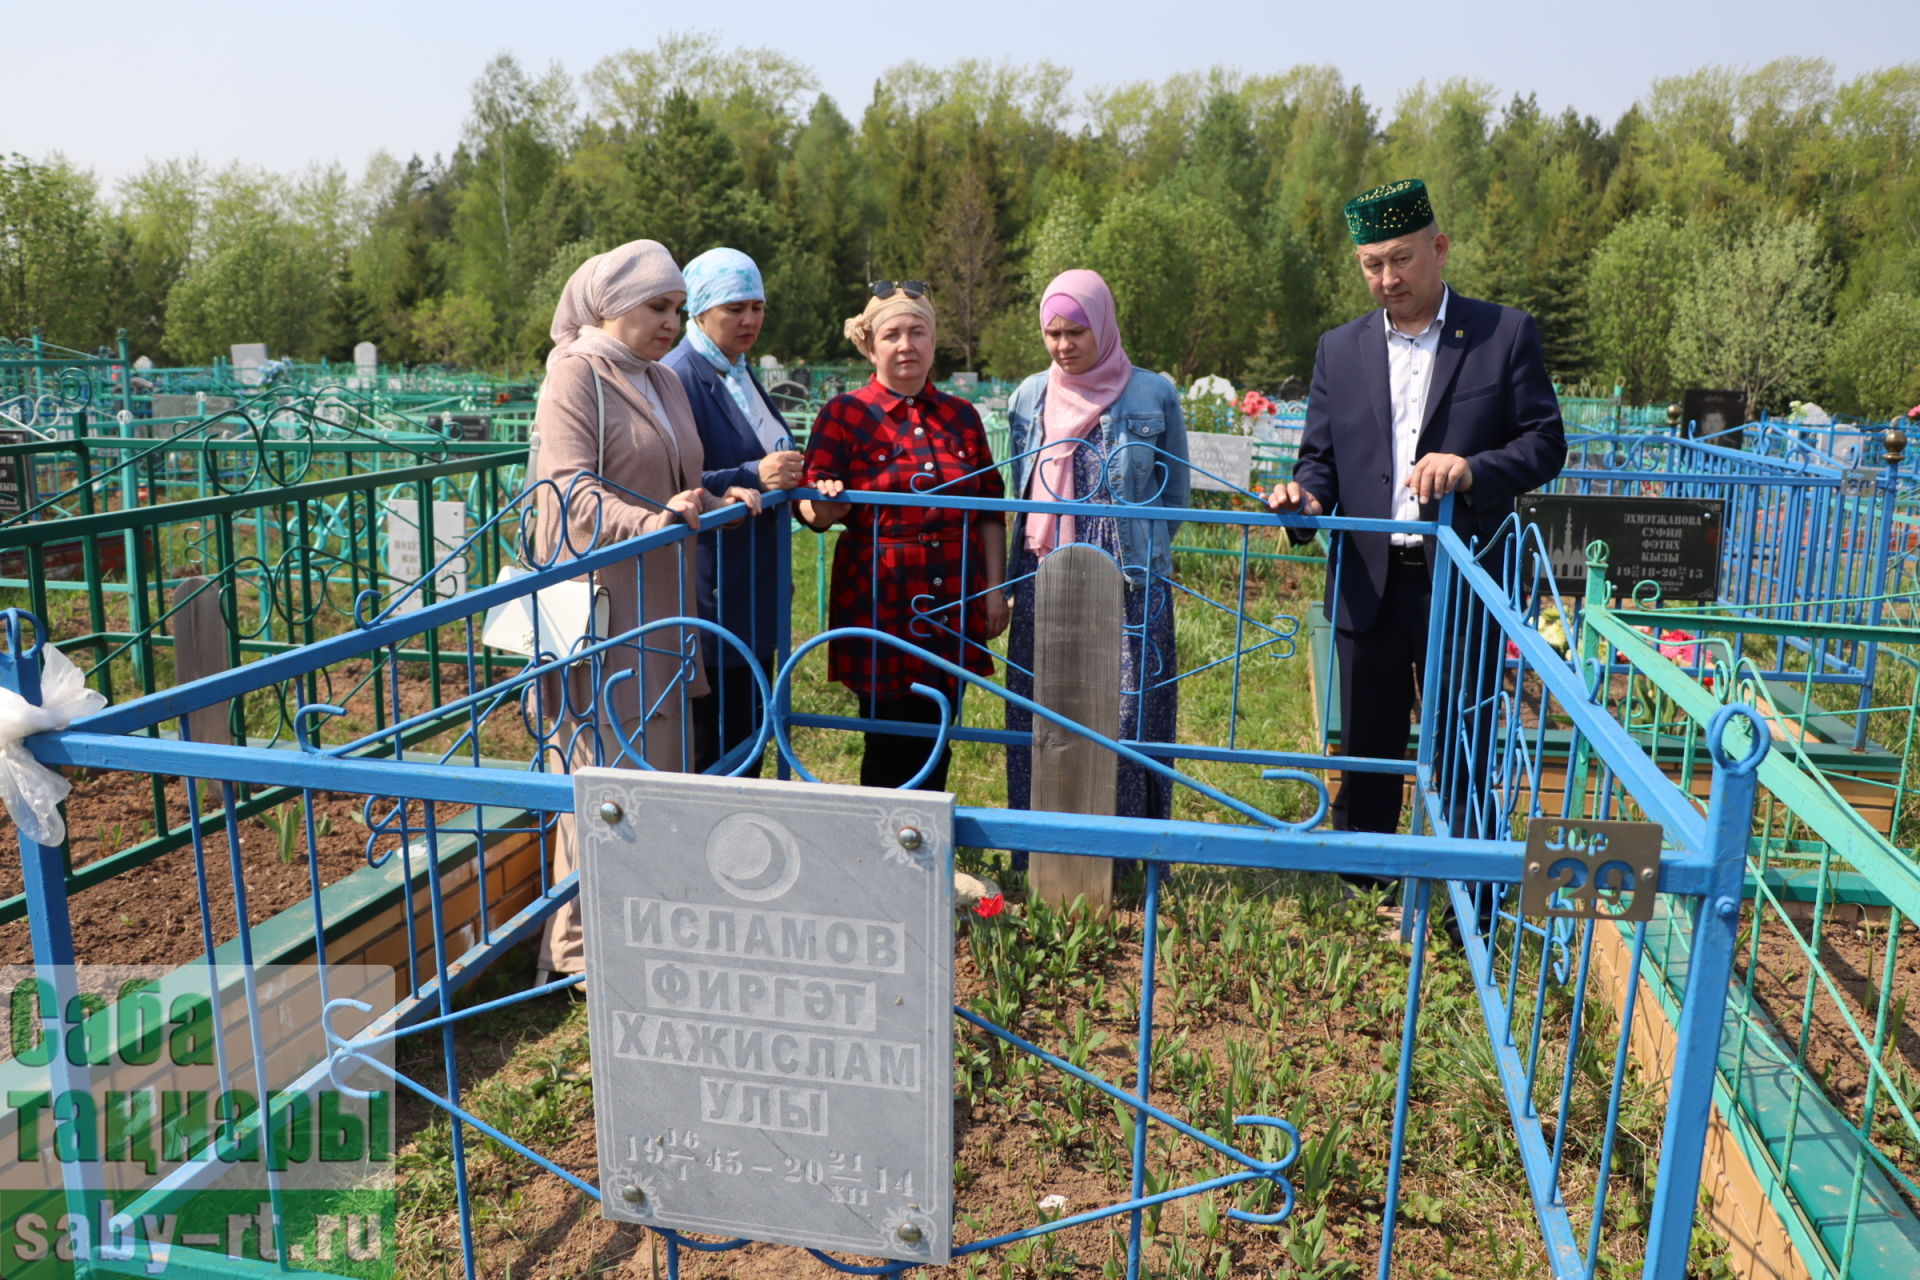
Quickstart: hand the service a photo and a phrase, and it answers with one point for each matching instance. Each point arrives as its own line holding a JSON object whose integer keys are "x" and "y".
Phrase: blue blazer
{"x": 1490, "y": 401}
{"x": 740, "y": 587}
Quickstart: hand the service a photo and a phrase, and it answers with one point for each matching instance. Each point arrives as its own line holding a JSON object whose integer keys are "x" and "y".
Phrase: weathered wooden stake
{"x": 1078, "y": 613}
{"x": 199, "y": 650}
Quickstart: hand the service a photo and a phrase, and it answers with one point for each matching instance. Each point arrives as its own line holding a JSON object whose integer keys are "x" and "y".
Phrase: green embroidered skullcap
{"x": 1385, "y": 213}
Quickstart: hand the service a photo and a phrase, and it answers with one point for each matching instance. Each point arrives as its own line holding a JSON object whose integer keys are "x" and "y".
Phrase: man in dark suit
{"x": 1432, "y": 394}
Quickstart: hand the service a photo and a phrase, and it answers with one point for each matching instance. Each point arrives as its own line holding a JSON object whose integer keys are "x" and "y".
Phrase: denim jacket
{"x": 1154, "y": 473}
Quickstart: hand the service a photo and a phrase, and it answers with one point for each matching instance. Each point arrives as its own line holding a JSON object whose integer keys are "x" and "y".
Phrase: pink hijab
{"x": 1075, "y": 401}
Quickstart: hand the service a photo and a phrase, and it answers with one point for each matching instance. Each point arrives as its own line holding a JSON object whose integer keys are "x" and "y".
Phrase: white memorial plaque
{"x": 1225, "y": 456}
{"x": 247, "y": 357}
{"x": 366, "y": 357}
{"x": 403, "y": 549}
{"x": 770, "y": 1008}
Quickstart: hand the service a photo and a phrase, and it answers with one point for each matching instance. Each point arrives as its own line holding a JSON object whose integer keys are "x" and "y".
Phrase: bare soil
{"x": 1853, "y": 951}
{"x": 151, "y": 914}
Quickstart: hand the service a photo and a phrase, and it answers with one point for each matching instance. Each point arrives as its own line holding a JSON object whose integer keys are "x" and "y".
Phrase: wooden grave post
{"x": 1078, "y": 613}
{"x": 199, "y": 650}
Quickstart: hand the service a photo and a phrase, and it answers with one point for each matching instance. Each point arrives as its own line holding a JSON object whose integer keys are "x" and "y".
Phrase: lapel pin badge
{"x": 1459, "y": 333}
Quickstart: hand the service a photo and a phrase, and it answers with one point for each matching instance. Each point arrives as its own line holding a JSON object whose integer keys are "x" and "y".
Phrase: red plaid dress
{"x": 900, "y": 569}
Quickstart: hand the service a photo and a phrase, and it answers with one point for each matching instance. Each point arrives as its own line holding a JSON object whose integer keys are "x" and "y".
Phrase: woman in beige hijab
{"x": 619, "y": 446}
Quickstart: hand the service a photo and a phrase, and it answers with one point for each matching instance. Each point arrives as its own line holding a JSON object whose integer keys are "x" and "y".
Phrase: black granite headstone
{"x": 1709, "y": 413}
{"x": 16, "y": 475}
{"x": 462, "y": 426}
{"x": 1675, "y": 542}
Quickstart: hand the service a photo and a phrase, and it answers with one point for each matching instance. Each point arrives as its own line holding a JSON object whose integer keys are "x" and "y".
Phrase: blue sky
{"x": 282, "y": 84}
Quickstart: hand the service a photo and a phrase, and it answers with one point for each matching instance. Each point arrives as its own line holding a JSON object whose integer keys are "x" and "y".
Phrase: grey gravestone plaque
{"x": 770, "y": 1005}
{"x": 1675, "y": 542}
{"x": 1218, "y": 454}
{"x": 247, "y": 357}
{"x": 183, "y": 414}
{"x": 17, "y": 491}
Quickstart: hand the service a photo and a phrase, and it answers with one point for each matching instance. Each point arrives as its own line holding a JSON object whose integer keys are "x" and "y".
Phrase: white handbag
{"x": 567, "y": 613}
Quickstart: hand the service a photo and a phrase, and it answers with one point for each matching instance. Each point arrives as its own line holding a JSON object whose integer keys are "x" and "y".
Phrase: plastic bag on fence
{"x": 567, "y": 611}
{"x": 30, "y": 791}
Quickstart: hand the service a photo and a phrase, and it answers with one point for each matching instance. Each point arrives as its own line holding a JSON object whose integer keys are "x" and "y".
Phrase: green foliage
{"x": 1185, "y": 277}
{"x": 690, "y": 192}
{"x": 258, "y": 284}
{"x": 515, "y": 138}
{"x": 1753, "y": 314}
{"x": 1706, "y": 236}
{"x": 1440, "y": 135}
{"x": 1142, "y": 254}
{"x": 827, "y": 204}
{"x": 1874, "y": 361}
{"x": 454, "y": 328}
{"x": 1634, "y": 280}
{"x": 53, "y": 262}
{"x": 397, "y": 266}
{"x": 1011, "y": 346}
{"x": 964, "y": 259}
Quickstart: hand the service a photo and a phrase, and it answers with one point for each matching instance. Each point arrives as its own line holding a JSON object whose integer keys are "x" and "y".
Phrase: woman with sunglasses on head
{"x": 618, "y": 445}
{"x": 928, "y": 575}
{"x": 745, "y": 442}
{"x": 1094, "y": 428}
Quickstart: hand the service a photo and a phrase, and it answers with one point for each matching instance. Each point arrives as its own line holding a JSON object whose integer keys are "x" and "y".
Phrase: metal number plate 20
{"x": 1591, "y": 870}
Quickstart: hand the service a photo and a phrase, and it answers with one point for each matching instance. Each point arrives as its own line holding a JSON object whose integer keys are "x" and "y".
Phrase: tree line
{"x": 1753, "y": 229}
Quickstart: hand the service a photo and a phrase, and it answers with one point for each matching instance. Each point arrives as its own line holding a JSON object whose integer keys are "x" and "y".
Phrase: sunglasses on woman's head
{"x": 912, "y": 288}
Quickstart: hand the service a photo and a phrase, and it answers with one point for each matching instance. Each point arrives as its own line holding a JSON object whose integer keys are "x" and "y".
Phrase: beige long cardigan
{"x": 652, "y": 459}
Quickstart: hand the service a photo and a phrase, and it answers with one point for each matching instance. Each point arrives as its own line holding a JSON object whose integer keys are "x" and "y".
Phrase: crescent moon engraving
{"x": 753, "y": 857}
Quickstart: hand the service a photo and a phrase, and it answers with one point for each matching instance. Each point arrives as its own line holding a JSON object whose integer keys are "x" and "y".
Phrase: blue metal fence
{"x": 1479, "y": 775}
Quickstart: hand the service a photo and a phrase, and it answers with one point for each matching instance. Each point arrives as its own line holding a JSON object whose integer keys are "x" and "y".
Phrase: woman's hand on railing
{"x": 781, "y": 470}
{"x": 688, "y": 504}
{"x": 820, "y": 516}
{"x": 735, "y": 494}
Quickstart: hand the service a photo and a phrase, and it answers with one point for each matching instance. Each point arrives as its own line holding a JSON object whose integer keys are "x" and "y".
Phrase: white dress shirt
{"x": 1410, "y": 359}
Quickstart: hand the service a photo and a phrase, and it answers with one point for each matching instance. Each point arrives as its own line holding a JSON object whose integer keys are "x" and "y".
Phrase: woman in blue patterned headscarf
{"x": 746, "y": 443}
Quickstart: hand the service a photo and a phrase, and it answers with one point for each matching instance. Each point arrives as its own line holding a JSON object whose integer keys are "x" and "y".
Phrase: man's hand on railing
{"x": 1436, "y": 475}
{"x": 1290, "y": 499}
